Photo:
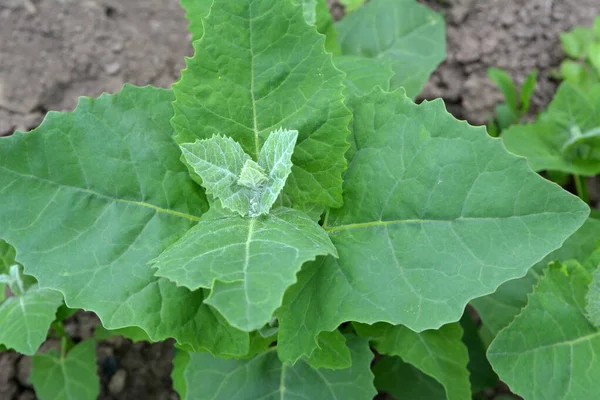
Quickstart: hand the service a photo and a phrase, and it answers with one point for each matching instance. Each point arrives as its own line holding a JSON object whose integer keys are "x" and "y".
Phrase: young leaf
{"x": 196, "y": 11}
{"x": 593, "y": 300}
{"x": 498, "y": 309}
{"x": 219, "y": 162}
{"x": 265, "y": 377}
{"x": 267, "y": 86}
{"x": 436, "y": 213}
{"x": 26, "y": 318}
{"x": 408, "y": 34}
{"x": 403, "y": 381}
{"x": 527, "y": 90}
{"x": 439, "y": 353}
{"x": 550, "y": 350}
{"x": 566, "y": 137}
{"x": 70, "y": 378}
{"x": 248, "y": 262}
{"x": 326, "y": 27}
{"x": 332, "y": 352}
{"x": 507, "y": 87}
{"x": 309, "y": 7}
{"x": 106, "y": 190}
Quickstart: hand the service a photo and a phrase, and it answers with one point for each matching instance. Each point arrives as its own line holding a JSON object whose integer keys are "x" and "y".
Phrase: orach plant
{"x": 285, "y": 209}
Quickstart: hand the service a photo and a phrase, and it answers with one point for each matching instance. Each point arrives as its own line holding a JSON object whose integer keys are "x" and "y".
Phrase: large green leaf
{"x": 404, "y": 32}
{"x": 498, "y": 309}
{"x": 196, "y": 11}
{"x": 260, "y": 67}
{"x": 439, "y": 353}
{"x": 566, "y": 137}
{"x": 90, "y": 197}
{"x": 405, "y": 382}
{"x": 71, "y": 378}
{"x": 26, "y": 318}
{"x": 550, "y": 350}
{"x": 265, "y": 377}
{"x": 436, "y": 213}
{"x": 248, "y": 262}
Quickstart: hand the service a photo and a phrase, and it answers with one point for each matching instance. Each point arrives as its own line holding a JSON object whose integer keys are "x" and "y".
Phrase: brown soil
{"x": 52, "y": 51}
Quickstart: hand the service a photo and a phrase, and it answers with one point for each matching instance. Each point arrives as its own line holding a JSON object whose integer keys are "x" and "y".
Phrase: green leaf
{"x": 436, "y": 213}
{"x": 550, "y": 350}
{"x": 70, "y": 378}
{"x": 498, "y": 309}
{"x": 196, "y": 11}
{"x": 265, "y": 377}
{"x": 439, "y": 353}
{"x": 332, "y": 352}
{"x": 326, "y": 27}
{"x": 180, "y": 363}
{"x": 219, "y": 162}
{"x": 132, "y": 333}
{"x": 281, "y": 76}
{"x": 248, "y": 262}
{"x": 507, "y": 87}
{"x": 26, "y": 318}
{"x": 527, "y": 90}
{"x": 576, "y": 42}
{"x": 309, "y": 7}
{"x": 7, "y": 259}
{"x": 408, "y": 34}
{"x": 109, "y": 194}
{"x": 566, "y": 137}
{"x": 364, "y": 74}
{"x": 241, "y": 184}
{"x": 403, "y": 381}
{"x": 593, "y": 300}
{"x": 481, "y": 374}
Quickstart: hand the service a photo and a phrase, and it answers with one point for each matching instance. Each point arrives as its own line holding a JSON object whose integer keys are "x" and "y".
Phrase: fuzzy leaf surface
{"x": 105, "y": 187}
{"x": 26, "y": 318}
{"x": 70, "y": 378}
{"x": 439, "y": 353}
{"x": 551, "y": 350}
{"x": 265, "y": 377}
{"x": 436, "y": 213}
{"x": 566, "y": 137}
{"x": 498, "y": 309}
{"x": 409, "y": 35}
{"x": 258, "y": 68}
{"x": 247, "y": 262}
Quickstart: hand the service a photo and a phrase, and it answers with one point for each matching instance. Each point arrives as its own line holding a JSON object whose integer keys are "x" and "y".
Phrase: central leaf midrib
{"x": 106, "y": 197}
{"x": 252, "y": 73}
{"x": 370, "y": 224}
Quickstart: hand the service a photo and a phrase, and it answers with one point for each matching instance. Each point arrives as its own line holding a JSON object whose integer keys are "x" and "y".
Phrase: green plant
{"x": 582, "y": 46}
{"x": 281, "y": 210}
{"x": 516, "y": 102}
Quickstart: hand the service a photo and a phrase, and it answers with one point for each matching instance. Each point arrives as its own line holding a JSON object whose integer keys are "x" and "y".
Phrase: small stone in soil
{"x": 117, "y": 382}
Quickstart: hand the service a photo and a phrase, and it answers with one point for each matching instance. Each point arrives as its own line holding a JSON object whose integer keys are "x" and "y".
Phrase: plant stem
{"x": 63, "y": 347}
{"x": 581, "y": 188}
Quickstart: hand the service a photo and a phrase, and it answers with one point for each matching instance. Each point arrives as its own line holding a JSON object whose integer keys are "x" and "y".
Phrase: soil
{"x": 52, "y": 51}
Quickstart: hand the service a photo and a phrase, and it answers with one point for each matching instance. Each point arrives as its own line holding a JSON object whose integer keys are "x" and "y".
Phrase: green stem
{"x": 63, "y": 347}
{"x": 65, "y": 341}
{"x": 581, "y": 188}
